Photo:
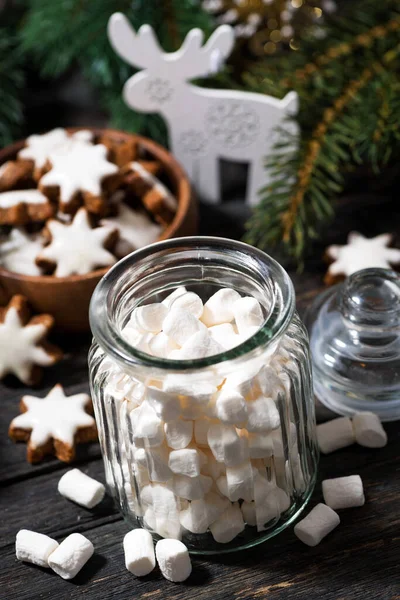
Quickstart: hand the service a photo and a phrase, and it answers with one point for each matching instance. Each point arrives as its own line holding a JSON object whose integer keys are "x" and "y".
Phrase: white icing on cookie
{"x": 19, "y": 252}
{"x": 15, "y": 197}
{"x": 170, "y": 200}
{"x": 362, "y": 253}
{"x": 56, "y": 416}
{"x": 39, "y": 148}
{"x": 18, "y": 349}
{"x": 135, "y": 228}
{"x": 77, "y": 249}
{"x": 81, "y": 169}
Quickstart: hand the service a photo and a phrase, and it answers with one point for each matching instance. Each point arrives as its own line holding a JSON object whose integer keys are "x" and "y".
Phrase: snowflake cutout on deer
{"x": 205, "y": 125}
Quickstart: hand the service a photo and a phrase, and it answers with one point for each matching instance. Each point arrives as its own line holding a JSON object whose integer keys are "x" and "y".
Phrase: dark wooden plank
{"x": 359, "y": 559}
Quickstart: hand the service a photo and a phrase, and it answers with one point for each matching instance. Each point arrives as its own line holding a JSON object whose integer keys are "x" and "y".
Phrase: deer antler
{"x": 139, "y": 49}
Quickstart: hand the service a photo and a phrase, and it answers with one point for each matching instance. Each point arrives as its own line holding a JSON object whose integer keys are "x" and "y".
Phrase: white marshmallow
{"x": 71, "y": 555}
{"x": 260, "y": 445}
{"x": 34, "y": 547}
{"x": 199, "y": 345}
{"x": 166, "y": 406}
{"x": 213, "y": 468}
{"x": 165, "y": 504}
{"x": 226, "y": 445}
{"x": 190, "y": 302}
{"x": 175, "y": 294}
{"x": 240, "y": 483}
{"x": 81, "y": 488}
{"x": 161, "y": 345}
{"x": 173, "y": 560}
{"x": 269, "y": 382}
{"x": 263, "y": 416}
{"x": 199, "y": 515}
{"x": 139, "y": 552}
{"x": 249, "y": 513}
{"x": 225, "y": 335}
{"x": 185, "y": 462}
{"x": 157, "y": 464}
{"x": 231, "y": 407}
{"x": 222, "y": 486}
{"x": 282, "y": 499}
{"x": 343, "y": 492}
{"x": 180, "y": 325}
{"x": 190, "y": 410}
{"x": 199, "y": 391}
{"x": 247, "y": 313}
{"x": 178, "y": 433}
{"x": 228, "y": 525}
{"x": 191, "y": 488}
{"x": 316, "y": 525}
{"x": 266, "y": 503}
{"x": 335, "y": 434}
{"x": 141, "y": 476}
{"x": 139, "y": 340}
{"x": 201, "y": 427}
{"x": 219, "y": 307}
{"x": 147, "y": 427}
{"x": 368, "y": 430}
{"x": 149, "y": 318}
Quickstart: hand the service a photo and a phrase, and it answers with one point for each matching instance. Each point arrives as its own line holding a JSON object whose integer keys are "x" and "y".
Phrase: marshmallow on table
{"x": 178, "y": 434}
{"x": 343, "y": 492}
{"x": 149, "y": 318}
{"x": 81, "y": 488}
{"x": 173, "y": 560}
{"x": 189, "y": 301}
{"x": 228, "y": 525}
{"x": 231, "y": 407}
{"x": 139, "y": 552}
{"x": 316, "y": 525}
{"x": 34, "y": 547}
{"x": 248, "y": 314}
{"x": 335, "y": 434}
{"x": 185, "y": 462}
{"x": 368, "y": 430}
{"x": 175, "y": 294}
{"x": 219, "y": 307}
{"x": 263, "y": 416}
{"x": 180, "y": 325}
{"x": 71, "y": 555}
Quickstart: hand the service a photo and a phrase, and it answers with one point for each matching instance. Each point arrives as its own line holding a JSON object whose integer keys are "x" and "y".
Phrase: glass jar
{"x": 266, "y": 476}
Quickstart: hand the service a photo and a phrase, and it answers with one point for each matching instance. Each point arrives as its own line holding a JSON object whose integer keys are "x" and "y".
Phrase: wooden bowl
{"x": 67, "y": 298}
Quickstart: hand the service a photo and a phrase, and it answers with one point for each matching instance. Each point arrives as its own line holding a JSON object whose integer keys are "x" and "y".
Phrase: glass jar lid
{"x": 354, "y": 332}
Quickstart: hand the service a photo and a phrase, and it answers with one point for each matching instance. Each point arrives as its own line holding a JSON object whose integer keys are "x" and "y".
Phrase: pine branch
{"x": 348, "y": 124}
{"x": 11, "y": 82}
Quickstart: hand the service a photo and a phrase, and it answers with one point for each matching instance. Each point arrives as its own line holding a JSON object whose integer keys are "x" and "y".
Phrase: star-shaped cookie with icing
{"x": 77, "y": 248}
{"x": 23, "y": 347}
{"x": 54, "y": 424}
{"x": 360, "y": 253}
{"x": 80, "y": 171}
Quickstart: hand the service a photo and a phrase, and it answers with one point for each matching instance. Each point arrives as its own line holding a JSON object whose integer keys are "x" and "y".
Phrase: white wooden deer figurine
{"x": 204, "y": 125}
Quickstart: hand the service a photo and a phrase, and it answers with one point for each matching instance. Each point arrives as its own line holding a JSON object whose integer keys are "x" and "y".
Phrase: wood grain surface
{"x": 358, "y": 561}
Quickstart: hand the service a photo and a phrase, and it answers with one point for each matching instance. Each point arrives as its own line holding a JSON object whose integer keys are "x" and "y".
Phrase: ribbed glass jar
{"x": 269, "y": 472}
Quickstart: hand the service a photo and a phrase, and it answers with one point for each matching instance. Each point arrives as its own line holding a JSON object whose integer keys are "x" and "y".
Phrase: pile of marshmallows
{"x": 68, "y": 558}
{"x": 343, "y": 492}
{"x": 204, "y": 442}
{"x": 182, "y": 328}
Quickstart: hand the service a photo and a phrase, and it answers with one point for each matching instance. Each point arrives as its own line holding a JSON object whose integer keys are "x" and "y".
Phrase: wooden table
{"x": 359, "y": 560}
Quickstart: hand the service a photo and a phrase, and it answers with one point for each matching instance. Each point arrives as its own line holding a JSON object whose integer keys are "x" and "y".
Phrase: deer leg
{"x": 258, "y": 178}
{"x": 208, "y": 179}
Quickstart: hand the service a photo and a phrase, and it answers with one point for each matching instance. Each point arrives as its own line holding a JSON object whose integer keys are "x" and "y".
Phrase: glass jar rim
{"x": 108, "y": 336}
